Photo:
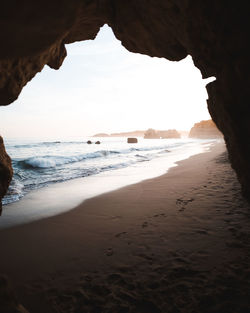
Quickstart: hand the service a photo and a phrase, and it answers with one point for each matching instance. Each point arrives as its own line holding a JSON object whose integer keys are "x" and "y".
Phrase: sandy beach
{"x": 175, "y": 243}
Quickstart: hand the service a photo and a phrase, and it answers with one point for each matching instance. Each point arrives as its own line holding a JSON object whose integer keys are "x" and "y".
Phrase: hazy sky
{"x": 101, "y": 87}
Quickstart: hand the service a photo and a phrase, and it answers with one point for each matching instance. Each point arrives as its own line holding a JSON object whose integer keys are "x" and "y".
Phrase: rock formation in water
{"x": 151, "y": 134}
{"x": 132, "y": 140}
{"x": 6, "y": 171}
{"x": 205, "y": 129}
{"x": 214, "y": 33}
{"x": 163, "y": 134}
{"x": 170, "y": 133}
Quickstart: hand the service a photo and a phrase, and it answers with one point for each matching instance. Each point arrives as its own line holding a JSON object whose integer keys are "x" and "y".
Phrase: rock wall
{"x": 215, "y": 33}
{"x": 6, "y": 171}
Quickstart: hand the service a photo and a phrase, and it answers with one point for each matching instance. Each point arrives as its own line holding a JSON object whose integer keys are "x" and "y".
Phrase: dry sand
{"x": 176, "y": 243}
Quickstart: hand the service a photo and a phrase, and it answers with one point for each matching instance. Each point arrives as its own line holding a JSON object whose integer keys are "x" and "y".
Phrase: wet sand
{"x": 175, "y": 243}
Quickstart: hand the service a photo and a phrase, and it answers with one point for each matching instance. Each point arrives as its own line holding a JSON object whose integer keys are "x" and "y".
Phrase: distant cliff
{"x": 135, "y": 133}
{"x": 148, "y": 134}
{"x": 170, "y": 133}
{"x": 205, "y": 129}
{"x": 164, "y": 134}
{"x": 101, "y": 135}
{"x": 151, "y": 134}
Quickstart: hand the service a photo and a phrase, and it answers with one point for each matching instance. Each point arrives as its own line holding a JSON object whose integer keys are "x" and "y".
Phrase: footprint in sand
{"x": 182, "y": 203}
{"x": 182, "y": 209}
{"x": 109, "y": 252}
{"x": 120, "y": 234}
{"x": 159, "y": 215}
{"x": 201, "y": 232}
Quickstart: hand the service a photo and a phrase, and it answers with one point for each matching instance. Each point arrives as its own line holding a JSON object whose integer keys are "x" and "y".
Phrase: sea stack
{"x": 132, "y": 140}
{"x": 151, "y": 134}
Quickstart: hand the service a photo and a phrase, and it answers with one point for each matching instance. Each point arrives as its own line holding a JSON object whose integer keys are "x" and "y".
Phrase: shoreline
{"x": 62, "y": 197}
{"x": 175, "y": 243}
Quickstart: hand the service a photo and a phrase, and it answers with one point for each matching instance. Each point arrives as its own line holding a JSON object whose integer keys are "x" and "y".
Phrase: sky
{"x": 102, "y": 87}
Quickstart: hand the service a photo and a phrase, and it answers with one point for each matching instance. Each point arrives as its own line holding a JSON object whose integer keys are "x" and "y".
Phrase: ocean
{"x": 39, "y": 163}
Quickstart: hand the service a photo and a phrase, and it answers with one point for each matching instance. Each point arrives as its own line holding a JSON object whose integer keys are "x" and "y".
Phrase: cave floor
{"x": 175, "y": 243}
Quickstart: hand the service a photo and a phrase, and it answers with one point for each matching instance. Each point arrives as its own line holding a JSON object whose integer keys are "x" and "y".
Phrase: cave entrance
{"x": 101, "y": 88}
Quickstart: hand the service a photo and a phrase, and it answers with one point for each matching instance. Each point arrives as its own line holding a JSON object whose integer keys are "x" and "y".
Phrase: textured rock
{"x": 205, "y": 129}
{"x": 132, "y": 140}
{"x": 151, "y": 134}
{"x": 170, "y": 133}
{"x": 214, "y": 33}
{"x": 6, "y": 171}
{"x": 164, "y": 134}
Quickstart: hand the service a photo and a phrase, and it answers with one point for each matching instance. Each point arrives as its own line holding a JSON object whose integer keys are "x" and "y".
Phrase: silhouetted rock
{"x": 132, "y": 140}
{"x": 6, "y": 172}
{"x": 89, "y": 142}
{"x": 97, "y": 142}
{"x": 205, "y": 129}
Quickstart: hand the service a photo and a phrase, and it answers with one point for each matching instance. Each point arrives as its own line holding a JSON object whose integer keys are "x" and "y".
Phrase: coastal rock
{"x": 101, "y": 135}
{"x": 170, "y": 133}
{"x": 164, "y": 134}
{"x": 205, "y": 130}
{"x": 135, "y": 133}
{"x": 6, "y": 171}
{"x": 214, "y": 33}
{"x": 151, "y": 134}
{"x": 132, "y": 140}
{"x": 97, "y": 142}
{"x": 89, "y": 142}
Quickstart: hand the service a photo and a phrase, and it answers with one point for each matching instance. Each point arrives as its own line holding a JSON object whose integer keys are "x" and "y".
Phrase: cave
{"x": 214, "y": 34}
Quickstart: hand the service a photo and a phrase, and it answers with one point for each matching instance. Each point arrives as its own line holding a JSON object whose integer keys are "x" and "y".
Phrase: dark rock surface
{"x": 6, "y": 171}
{"x": 214, "y": 33}
{"x": 205, "y": 129}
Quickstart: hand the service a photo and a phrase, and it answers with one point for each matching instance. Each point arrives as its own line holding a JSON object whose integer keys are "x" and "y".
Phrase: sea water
{"x": 39, "y": 163}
